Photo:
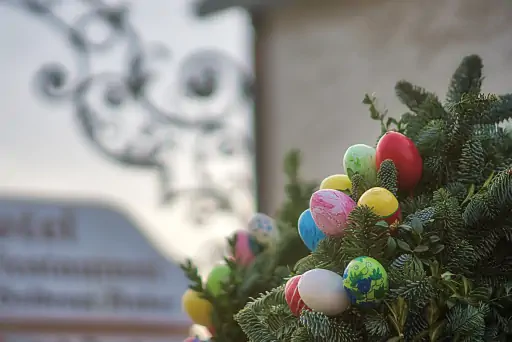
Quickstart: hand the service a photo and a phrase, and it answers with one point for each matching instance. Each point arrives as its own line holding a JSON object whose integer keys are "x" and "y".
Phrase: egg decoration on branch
{"x": 365, "y": 281}
{"x": 263, "y": 228}
{"x": 382, "y": 202}
{"x": 192, "y": 339}
{"x": 292, "y": 296}
{"x": 338, "y": 182}
{"x": 246, "y": 248}
{"x": 330, "y": 210}
{"x": 309, "y": 232}
{"x": 323, "y": 291}
{"x": 360, "y": 159}
{"x": 198, "y": 309}
{"x": 217, "y": 277}
{"x": 404, "y": 154}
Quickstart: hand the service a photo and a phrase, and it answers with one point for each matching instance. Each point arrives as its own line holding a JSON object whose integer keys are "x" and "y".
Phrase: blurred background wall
{"x": 315, "y": 61}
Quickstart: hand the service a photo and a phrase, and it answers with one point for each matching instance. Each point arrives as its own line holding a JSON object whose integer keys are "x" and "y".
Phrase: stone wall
{"x": 317, "y": 59}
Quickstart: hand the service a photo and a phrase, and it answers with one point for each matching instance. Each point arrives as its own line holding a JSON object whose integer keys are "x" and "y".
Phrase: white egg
{"x": 263, "y": 228}
{"x": 323, "y": 291}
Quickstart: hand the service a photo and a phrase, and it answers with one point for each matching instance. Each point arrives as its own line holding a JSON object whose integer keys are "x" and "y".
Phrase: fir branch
{"x": 467, "y": 321}
{"x": 364, "y": 236}
{"x": 376, "y": 324}
{"x": 305, "y": 264}
{"x": 253, "y": 327}
{"x": 467, "y": 79}
{"x": 331, "y": 255}
{"x": 192, "y": 273}
{"x": 388, "y": 176}
{"x": 412, "y": 96}
{"x": 499, "y": 111}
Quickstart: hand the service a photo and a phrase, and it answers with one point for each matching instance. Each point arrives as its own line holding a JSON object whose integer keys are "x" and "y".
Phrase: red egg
{"x": 402, "y": 151}
{"x": 396, "y": 216}
{"x": 292, "y": 296}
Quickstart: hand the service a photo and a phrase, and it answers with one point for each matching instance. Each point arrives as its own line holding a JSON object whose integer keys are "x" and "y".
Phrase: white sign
{"x": 71, "y": 261}
{"x": 87, "y": 338}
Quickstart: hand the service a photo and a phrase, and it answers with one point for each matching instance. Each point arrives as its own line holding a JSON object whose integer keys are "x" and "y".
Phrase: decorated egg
{"x": 263, "y": 228}
{"x": 218, "y": 275}
{"x": 382, "y": 202}
{"x": 360, "y": 158}
{"x": 198, "y": 309}
{"x": 308, "y": 230}
{"x": 292, "y": 296}
{"x": 330, "y": 210}
{"x": 402, "y": 151}
{"x": 365, "y": 280}
{"x": 246, "y": 248}
{"x": 192, "y": 339}
{"x": 323, "y": 291}
{"x": 337, "y": 182}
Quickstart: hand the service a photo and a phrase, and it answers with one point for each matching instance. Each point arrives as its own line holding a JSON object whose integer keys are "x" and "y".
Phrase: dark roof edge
{"x": 204, "y": 8}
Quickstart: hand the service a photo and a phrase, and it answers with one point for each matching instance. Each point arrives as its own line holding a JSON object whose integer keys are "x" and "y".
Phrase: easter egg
{"x": 218, "y": 275}
{"x": 246, "y": 248}
{"x": 292, "y": 296}
{"x": 323, "y": 291}
{"x": 402, "y": 151}
{"x": 382, "y": 202}
{"x": 192, "y": 339}
{"x": 337, "y": 182}
{"x": 263, "y": 228}
{"x": 365, "y": 281}
{"x": 308, "y": 230}
{"x": 360, "y": 158}
{"x": 330, "y": 210}
{"x": 198, "y": 309}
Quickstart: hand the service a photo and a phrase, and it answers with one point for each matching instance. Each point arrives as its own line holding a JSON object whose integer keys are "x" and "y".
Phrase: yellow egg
{"x": 337, "y": 182}
{"x": 198, "y": 309}
{"x": 382, "y": 201}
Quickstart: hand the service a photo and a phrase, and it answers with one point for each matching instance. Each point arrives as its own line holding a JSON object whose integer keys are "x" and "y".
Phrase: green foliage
{"x": 298, "y": 193}
{"x": 388, "y": 176}
{"x": 449, "y": 261}
{"x": 269, "y": 268}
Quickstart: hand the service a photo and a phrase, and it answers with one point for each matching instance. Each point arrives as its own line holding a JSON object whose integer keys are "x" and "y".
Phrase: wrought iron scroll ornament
{"x": 204, "y": 123}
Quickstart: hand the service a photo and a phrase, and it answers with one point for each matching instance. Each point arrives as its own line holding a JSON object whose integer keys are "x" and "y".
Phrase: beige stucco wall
{"x": 319, "y": 58}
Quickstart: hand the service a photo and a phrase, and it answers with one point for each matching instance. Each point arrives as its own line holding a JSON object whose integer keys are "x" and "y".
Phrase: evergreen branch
{"x": 192, "y": 274}
{"x": 358, "y": 186}
{"x": 467, "y": 79}
{"x": 412, "y": 96}
{"x": 467, "y": 321}
{"x": 253, "y": 327}
{"x": 388, "y": 176}
{"x": 363, "y": 236}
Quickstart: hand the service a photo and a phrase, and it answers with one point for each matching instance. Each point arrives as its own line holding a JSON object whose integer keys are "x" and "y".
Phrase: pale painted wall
{"x": 320, "y": 59}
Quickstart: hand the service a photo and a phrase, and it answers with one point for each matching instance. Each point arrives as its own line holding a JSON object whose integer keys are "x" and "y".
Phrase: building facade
{"x": 315, "y": 60}
{"x": 82, "y": 271}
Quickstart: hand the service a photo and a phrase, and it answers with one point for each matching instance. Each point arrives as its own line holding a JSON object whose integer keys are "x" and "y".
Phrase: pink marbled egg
{"x": 330, "y": 210}
{"x": 244, "y": 254}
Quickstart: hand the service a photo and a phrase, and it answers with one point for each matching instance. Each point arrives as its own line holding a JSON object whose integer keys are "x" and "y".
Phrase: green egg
{"x": 360, "y": 158}
{"x": 218, "y": 275}
{"x": 366, "y": 281}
